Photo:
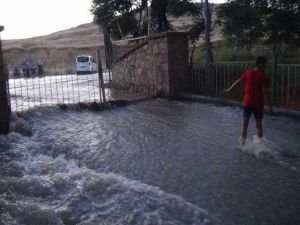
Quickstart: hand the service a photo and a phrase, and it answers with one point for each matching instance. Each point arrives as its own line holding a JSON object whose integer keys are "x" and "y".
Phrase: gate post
{"x": 101, "y": 80}
{"x": 4, "y": 101}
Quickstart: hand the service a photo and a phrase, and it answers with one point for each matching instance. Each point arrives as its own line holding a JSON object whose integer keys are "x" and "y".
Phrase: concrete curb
{"x": 222, "y": 101}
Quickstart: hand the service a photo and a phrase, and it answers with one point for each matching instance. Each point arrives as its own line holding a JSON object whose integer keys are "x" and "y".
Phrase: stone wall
{"x": 159, "y": 65}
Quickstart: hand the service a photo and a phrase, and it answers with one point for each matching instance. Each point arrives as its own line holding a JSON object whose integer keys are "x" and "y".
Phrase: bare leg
{"x": 259, "y": 128}
{"x": 245, "y": 127}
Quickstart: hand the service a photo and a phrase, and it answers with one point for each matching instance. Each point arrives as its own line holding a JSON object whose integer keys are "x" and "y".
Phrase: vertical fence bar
{"x": 100, "y": 75}
{"x": 78, "y": 92}
{"x": 27, "y": 91}
{"x": 21, "y": 90}
{"x": 33, "y": 92}
{"x": 68, "y": 95}
{"x": 216, "y": 80}
{"x": 62, "y": 83}
{"x": 16, "y": 96}
{"x": 40, "y": 92}
{"x": 273, "y": 80}
{"x": 224, "y": 79}
{"x": 288, "y": 88}
{"x": 56, "y": 85}
{"x": 72, "y": 88}
{"x": 88, "y": 87}
{"x": 46, "y": 93}
{"x": 282, "y": 84}
{"x": 94, "y": 88}
{"x": 295, "y": 87}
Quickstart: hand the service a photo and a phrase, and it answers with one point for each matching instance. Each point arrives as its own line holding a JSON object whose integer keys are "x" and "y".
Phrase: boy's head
{"x": 261, "y": 62}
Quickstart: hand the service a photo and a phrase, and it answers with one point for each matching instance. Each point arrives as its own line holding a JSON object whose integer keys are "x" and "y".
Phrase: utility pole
{"x": 207, "y": 9}
{"x": 209, "y": 86}
{"x": 4, "y": 101}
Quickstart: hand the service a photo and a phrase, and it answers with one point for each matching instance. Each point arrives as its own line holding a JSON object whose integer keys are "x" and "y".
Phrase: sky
{"x": 30, "y": 18}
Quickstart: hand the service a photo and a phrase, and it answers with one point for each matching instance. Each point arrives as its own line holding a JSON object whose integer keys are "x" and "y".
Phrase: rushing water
{"x": 156, "y": 162}
{"x": 26, "y": 93}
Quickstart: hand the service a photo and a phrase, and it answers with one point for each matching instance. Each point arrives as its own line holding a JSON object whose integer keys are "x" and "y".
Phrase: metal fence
{"x": 286, "y": 91}
{"x": 41, "y": 84}
{"x": 28, "y": 92}
{"x": 213, "y": 79}
{"x": 31, "y": 91}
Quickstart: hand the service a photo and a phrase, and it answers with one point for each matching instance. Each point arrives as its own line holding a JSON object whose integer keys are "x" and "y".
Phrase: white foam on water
{"x": 265, "y": 149}
{"x": 261, "y": 148}
{"x": 39, "y": 189}
{"x": 86, "y": 197}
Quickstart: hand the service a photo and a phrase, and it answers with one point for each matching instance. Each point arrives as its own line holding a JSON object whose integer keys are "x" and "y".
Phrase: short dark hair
{"x": 261, "y": 60}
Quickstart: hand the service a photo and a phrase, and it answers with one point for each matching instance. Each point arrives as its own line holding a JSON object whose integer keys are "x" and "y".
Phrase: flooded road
{"x": 156, "y": 162}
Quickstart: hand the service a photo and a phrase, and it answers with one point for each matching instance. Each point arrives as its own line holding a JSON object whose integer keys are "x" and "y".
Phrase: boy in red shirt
{"x": 255, "y": 82}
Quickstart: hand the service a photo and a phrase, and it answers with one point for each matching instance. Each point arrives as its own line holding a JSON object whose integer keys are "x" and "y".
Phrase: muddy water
{"x": 156, "y": 162}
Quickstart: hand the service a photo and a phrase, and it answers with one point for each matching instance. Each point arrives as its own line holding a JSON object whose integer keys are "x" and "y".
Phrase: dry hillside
{"x": 63, "y": 46}
{"x": 57, "y": 48}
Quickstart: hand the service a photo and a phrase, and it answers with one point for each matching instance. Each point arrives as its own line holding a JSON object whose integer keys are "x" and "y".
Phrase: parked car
{"x": 85, "y": 64}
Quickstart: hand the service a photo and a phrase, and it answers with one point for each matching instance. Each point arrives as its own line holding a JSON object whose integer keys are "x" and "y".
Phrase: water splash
{"x": 262, "y": 148}
{"x": 87, "y": 197}
{"x": 41, "y": 189}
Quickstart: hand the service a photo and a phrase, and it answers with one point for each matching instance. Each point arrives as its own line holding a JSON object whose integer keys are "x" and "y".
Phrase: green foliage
{"x": 275, "y": 21}
{"x": 118, "y": 17}
{"x": 180, "y": 8}
{"x": 224, "y": 51}
{"x": 241, "y": 22}
{"x": 128, "y": 17}
{"x": 184, "y": 7}
{"x": 282, "y": 21}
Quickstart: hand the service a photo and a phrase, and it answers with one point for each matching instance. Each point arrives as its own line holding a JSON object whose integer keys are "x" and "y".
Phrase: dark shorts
{"x": 258, "y": 112}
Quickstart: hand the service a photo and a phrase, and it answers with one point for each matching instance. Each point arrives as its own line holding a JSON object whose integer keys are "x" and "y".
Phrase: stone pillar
{"x": 178, "y": 55}
{"x": 160, "y": 62}
{"x": 170, "y": 57}
{"x": 4, "y": 101}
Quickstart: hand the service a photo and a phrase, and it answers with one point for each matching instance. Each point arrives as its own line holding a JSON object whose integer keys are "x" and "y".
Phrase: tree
{"x": 129, "y": 17}
{"x": 119, "y": 17}
{"x": 241, "y": 22}
{"x": 190, "y": 8}
{"x": 282, "y": 22}
{"x": 275, "y": 21}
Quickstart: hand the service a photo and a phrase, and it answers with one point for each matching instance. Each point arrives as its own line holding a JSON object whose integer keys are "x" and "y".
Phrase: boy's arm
{"x": 233, "y": 85}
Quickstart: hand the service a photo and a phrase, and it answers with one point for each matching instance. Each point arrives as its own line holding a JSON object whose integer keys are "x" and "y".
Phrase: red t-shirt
{"x": 254, "y": 81}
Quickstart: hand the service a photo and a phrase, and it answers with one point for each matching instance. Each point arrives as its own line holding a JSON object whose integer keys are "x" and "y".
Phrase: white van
{"x": 85, "y": 64}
